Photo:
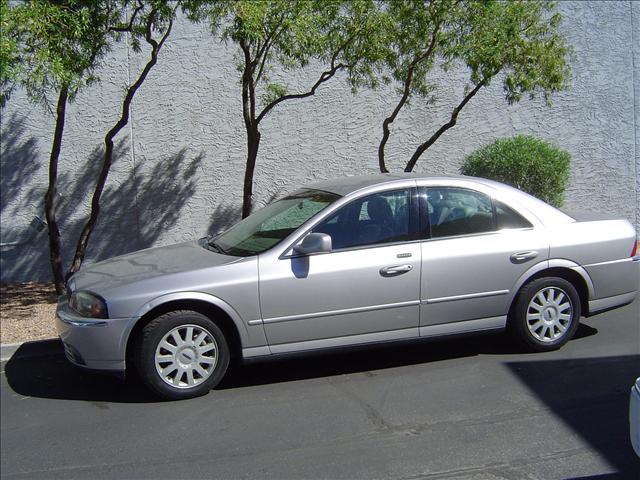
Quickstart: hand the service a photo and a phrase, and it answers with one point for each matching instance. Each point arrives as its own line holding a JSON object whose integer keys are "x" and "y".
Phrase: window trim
{"x": 414, "y": 230}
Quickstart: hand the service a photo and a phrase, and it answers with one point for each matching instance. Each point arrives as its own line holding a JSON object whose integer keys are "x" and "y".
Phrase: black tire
{"x": 213, "y": 365}
{"x": 543, "y": 334}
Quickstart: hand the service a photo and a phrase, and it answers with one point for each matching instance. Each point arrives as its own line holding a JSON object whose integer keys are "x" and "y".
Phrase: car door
{"x": 476, "y": 251}
{"x": 365, "y": 289}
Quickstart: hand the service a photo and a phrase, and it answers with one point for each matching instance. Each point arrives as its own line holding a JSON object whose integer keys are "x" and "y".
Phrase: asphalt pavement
{"x": 466, "y": 408}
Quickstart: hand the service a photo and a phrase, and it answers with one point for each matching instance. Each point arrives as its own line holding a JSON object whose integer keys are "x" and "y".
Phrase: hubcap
{"x": 549, "y": 314}
{"x": 186, "y": 356}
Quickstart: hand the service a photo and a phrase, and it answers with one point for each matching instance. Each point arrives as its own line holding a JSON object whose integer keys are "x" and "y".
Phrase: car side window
{"x": 507, "y": 217}
{"x": 458, "y": 211}
{"x": 379, "y": 218}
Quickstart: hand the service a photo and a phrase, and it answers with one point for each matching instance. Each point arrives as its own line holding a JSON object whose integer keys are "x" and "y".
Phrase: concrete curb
{"x": 37, "y": 348}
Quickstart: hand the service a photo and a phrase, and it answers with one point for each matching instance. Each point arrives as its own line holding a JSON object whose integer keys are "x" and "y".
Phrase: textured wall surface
{"x": 180, "y": 163}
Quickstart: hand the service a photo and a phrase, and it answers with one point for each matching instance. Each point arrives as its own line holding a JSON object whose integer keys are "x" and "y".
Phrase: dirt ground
{"x": 27, "y": 312}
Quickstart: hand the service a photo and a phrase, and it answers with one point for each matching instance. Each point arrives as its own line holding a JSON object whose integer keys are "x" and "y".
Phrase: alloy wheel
{"x": 549, "y": 314}
{"x": 186, "y": 356}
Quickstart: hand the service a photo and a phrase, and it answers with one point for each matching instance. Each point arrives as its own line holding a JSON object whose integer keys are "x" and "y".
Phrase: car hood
{"x": 146, "y": 265}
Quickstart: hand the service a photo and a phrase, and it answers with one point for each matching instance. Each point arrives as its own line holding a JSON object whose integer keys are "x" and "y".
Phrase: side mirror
{"x": 314, "y": 243}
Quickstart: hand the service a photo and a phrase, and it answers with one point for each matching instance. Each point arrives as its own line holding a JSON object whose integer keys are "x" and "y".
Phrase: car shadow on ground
{"x": 49, "y": 374}
{"x": 375, "y": 357}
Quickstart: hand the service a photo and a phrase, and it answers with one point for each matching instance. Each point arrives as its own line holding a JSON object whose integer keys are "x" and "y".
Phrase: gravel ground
{"x": 27, "y": 312}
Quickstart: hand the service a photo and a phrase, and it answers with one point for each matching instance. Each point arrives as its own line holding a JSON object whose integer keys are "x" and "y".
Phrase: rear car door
{"x": 476, "y": 249}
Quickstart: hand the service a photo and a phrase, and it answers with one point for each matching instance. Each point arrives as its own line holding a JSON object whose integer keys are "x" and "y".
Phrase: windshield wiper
{"x": 214, "y": 246}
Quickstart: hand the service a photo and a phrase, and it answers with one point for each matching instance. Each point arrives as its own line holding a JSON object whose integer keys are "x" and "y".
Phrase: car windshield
{"x": 271, "y": 224}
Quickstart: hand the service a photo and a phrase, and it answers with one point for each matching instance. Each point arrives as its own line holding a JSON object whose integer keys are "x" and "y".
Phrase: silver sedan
{"x": 351, "y": 261}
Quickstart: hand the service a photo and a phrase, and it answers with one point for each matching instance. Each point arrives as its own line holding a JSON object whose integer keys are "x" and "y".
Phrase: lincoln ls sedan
{"x": 358, "y": 260}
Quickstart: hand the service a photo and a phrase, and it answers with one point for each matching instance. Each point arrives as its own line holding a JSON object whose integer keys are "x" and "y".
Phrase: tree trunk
{"x": 251, "y": 127}
{"x": 55, "y": 254}
{"x": 253, "y": 143}
{"x": 386, "y": 131}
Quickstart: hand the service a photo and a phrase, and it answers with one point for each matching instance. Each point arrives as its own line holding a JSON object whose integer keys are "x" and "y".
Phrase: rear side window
{"x": 507, "y": 217}
{"x": 458, "y": 211}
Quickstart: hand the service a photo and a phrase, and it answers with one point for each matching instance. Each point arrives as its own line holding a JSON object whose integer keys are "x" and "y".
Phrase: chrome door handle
{"x": 522, "y": 257}
{"x": 394, "y": 270}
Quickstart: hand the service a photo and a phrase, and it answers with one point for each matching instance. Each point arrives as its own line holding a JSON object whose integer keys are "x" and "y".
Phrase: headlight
{"x": 88, "y": 304}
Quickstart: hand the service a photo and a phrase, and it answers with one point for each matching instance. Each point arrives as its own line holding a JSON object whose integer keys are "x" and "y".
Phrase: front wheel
{"x": 182, "y": 354}
{"x": 546, "y": 314}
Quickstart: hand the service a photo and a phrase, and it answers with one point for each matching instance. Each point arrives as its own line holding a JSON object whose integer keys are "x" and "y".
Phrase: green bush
{"x": 524, "y": 162}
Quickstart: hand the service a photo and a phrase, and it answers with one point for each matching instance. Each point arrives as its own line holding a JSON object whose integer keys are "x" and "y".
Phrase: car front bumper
{"x": 97, "y": 344}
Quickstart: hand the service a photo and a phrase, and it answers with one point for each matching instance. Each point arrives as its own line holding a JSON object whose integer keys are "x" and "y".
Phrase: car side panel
{"x": 232, "y": 287}
{"x": 614, "y": 278}
{"x": 588, "y": 243}
{"x": 472, "y": 277}
{"x": 603, "y": 249}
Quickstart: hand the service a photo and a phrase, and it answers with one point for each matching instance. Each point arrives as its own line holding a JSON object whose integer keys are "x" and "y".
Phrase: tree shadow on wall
{"x": 19, "y": 161}
{"x": 136, "y": 209}
{"x": 223, "y": 217}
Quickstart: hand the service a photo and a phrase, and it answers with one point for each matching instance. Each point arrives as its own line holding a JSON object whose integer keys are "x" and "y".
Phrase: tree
{"x": 524, "y": 162}
{"x": 287, "y": 35}
{"x": 53, "y": 49}
{"x": 519, "y": 40}
{"x": 146, "y": 18}
{"x": 9, "y": 60}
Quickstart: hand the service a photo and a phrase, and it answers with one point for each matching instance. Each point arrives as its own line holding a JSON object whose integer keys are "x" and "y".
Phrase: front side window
{"x": 268, "y": 226}
{"x": 458, "y": 211}
{"x": 379, "y": 218}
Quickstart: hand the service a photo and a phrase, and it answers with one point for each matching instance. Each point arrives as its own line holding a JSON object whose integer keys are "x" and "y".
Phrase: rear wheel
{"x": 182, "y": 354}
{"x": 546, "y": 314}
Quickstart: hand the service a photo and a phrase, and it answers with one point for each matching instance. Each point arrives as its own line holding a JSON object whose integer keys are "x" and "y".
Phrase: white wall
{"x": 181, "y": 163}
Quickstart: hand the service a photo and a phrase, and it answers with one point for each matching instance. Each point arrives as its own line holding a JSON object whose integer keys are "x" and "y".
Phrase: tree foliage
{"x": 517, "y": 41}
{"x": 276, "y": 37}
{"x": 524, "y": 162}
{"x": 50, "y": 45}
{"x": 53, "y": 49}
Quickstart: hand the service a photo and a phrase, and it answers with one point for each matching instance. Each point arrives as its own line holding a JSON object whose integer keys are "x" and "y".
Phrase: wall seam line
{"x": 635, "y": 116}
{"x": 134, "y": 172}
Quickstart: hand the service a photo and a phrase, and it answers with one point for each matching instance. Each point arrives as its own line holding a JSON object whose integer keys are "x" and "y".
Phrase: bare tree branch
{"x": 262, "y": 63}
{"x": 452, "y": 121}
{"x": 406, "y": 92}
{"x": 324, "y": 76}
{"x": 129, "y": 26}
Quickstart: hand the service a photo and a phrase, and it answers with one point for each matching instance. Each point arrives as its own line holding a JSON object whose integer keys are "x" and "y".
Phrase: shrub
{"x": 524, "y": 162}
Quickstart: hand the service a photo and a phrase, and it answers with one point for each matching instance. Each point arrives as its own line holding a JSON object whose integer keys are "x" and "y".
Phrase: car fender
{"x": 552, "y": 263}
{"x": 204, "y": 297}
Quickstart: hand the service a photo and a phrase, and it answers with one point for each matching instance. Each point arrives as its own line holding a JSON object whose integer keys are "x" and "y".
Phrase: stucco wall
{"x": 180, "y": 164}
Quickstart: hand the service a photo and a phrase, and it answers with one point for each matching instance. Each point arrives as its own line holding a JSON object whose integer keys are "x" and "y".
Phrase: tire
{"x": 181, "y": 354}
{"x": 546, "y": 314}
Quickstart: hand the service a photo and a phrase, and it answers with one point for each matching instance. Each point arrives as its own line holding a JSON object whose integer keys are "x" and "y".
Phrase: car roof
{"x": 345, "y": 185}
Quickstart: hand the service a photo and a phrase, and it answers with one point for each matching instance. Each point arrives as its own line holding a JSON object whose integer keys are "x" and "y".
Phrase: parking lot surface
{"x": 465, "y": 408}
